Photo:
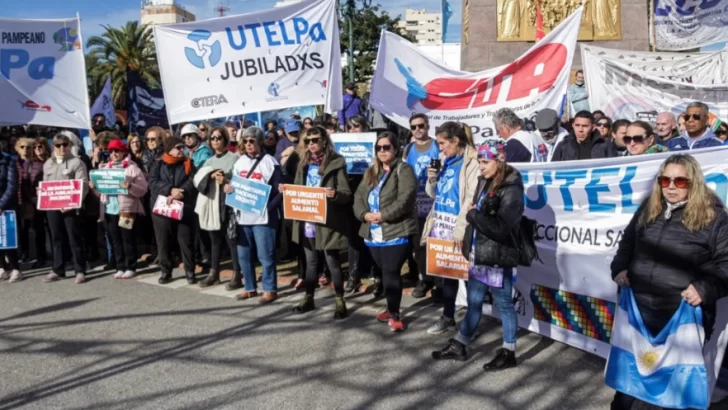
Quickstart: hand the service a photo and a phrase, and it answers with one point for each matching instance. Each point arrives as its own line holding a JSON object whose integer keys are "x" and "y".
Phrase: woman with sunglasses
{"x": 385, "y": 205}
{"x": 604, "y": 125}
{"x": 172, "y": 176}
{"x": 119, "y": 212}
{"x": 65, "y": 224}
{"x": 674, "y": 249}
{"x": 258, "y": 232}
{"x": 30, "y": 172}
{"x": 322, "y": 166}
{"x": 221, "y": 163}
{"x": 640, "y": 140}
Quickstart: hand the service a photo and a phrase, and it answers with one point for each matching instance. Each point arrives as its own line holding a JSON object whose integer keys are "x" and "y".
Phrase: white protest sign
{"x": 267, "y": 60}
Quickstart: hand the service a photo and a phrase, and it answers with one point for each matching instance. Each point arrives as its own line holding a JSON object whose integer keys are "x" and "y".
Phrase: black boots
{"x": 236, "y": 282}
{"x": 340, "y": 312}
{"x": 454, "y": 351}
{"x": 191, "y": 279}
{"x": 165, "y": 278}
{"x": 211, "y": 280}
{"x": 306, "y": 305}
{"x": 504, "y": 359}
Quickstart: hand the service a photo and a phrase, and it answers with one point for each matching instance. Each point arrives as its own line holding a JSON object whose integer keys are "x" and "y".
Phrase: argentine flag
{"x": 668, "y": 369}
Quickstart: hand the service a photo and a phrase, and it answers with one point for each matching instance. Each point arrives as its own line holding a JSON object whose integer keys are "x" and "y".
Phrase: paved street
{"x": 112, "y": 344}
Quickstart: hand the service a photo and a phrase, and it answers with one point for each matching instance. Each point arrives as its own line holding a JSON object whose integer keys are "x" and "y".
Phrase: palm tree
{"x": 130, "y": 47}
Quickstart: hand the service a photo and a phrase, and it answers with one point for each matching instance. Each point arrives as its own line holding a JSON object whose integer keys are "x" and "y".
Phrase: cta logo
{"x": 203, "y": 51}
{"x": 34, "y": 106}
{"x": 209, "y": 101}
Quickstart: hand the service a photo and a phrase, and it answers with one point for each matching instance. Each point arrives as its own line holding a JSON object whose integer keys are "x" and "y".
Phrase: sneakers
{"x": 352, "y": 285}
{"x": 421, "y": 290}
{"x": 119, "y": 274}
{"x": 4, "y": 275}
{"x": 268, "y": 297}
{"x": 441, "y": 326}
{"x": 396, "y": 324}
{"x": 15, "y": 276}
{"x": 384, "y": 316}
{"x": 453, "y": 351}
{"x": 51, "y": 277}
{"x": 80, "y": 278}
{"x": 128, "y": 274}
{"x": 504, "y": 359}
{"x": 306, "y": 305}
{"x": 340, "y": 311}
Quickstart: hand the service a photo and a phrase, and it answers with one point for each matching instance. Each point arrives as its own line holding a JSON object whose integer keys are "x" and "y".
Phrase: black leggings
{"x": 66, "y": 228}
{"x": 218, "y": 239}
{"x": 170, "y": 231}
{"x": 312, "y": 260}
{"x": 389, "y": 259}
{"x": 123, "y": 243}
{"x": 39, "y": 228}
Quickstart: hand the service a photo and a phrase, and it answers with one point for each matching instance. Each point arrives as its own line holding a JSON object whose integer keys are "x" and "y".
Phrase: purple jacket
{"x": 30, "y": 173}
{"x": 351, "y": 107}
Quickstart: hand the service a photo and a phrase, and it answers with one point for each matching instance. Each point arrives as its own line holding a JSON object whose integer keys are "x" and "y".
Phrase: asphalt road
{"x": 111, "y": 344}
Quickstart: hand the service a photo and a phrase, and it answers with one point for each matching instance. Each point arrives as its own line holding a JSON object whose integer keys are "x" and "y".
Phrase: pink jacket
{"x": 130, "y": 203}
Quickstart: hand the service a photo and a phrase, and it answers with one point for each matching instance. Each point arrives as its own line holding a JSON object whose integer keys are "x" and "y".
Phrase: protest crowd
{"x": 200, "y": 193}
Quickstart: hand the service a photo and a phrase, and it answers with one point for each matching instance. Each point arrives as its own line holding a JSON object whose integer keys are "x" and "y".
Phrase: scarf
{"x": 122, "y": 164}
{"x": 170, "y": 160}
{"x": 673, "y": 207}
{"x": 316, "y": 159}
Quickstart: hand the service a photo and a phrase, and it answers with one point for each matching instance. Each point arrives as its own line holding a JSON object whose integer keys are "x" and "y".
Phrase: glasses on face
{"x": 217, "y": 138}
{"x": 384, "y": 147}
{"x": 179, "y": 147}
{"x": 39, "y": 147}
{"x": 602, "y": 124}
{"x": 203, "y": 129}
{"x": 310, "y": 141}
{"x": 351, "y": 127}
{"x": 638, "y": 139}
{"x": 24, "y": 147}
{"x": 62, "y": 144}
{"x": 249, "y": 141}
{"x": 696, "y": 117}
{"x": 414, "y": 127}
{"x": 680, "y": 182}
{"x": 115, "y": 151}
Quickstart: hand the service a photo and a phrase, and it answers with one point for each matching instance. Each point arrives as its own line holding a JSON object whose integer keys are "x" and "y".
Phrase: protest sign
{"x": 43, "y": 73}
{"x": 260, "y": 61}
{"x": 406, "y": 81}
{"x": 55, "y": 195}
{"x": 357, "y": 149}
{"x": 304, "y": 203}
{"x": 446, "y": 261}
{"x": 685, "y": 25}
{"x": 173, "y": 210}
{"x": 8, "y": 230}
{"x": 249, "y": 196}
{"x": 107, "y": 181}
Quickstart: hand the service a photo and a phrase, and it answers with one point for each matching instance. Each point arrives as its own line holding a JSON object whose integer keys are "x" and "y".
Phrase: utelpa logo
{"x": 211, "y": 52}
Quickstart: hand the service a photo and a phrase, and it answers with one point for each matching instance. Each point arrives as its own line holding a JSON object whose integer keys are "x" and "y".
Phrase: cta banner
{"x": 267, "y": 60}
{"x": 684, "y": 25}
{"x": 108, "y": 181}
{"x": 582, "y": 208}
{"x": 357, "y": 150}
{"x": 8, "y": 230}
{"x": 303, "y": 203}
{"x": 406, "y": 81}
{"x": 627, "y": 92}
{"x": 250, "y": 196}
{"x": 43, "y": 73}
{"x": 55, "y": 195}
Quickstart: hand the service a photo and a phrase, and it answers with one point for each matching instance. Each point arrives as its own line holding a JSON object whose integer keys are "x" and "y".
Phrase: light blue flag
{"x": 104, "y": 104}
{"x": 446, "y": 14}
{"x": 667, "y": 369}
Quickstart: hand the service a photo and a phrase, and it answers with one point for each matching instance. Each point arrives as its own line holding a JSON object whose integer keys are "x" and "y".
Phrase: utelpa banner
{"x": 267, "y": 60}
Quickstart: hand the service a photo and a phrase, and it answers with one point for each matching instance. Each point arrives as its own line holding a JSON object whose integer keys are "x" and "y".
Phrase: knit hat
{"x": 172, "y": 142}
{"x": 116, "y": 145}
{"x": 493, "y": 148}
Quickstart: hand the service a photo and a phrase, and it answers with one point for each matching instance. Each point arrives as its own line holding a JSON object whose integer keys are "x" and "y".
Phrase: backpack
{"x": 525, "y": 241}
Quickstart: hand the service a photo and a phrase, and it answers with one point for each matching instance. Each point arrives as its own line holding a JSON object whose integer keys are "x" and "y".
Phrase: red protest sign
{"x": 54, "y": 195}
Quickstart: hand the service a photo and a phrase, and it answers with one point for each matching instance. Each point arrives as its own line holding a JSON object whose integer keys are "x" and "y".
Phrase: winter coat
{"x": 568, "y": 149}
{"x": 397, "y": 202}
{"x": 138, "y": 186}
{"x": 495, "y": 224}
{"x": 684, "y": 142}
{"x": 200, "y": 154}
{"x": 148, "y": 157}
{"x": 71, "y": 168}
{"x": 163, "y": 177}
{"x": 579, "y": 97}
{"x": 210, "y": 204}
{"x": 30, "y": 173}
{"x": 334, "y": 234}
{"x": 8, "y": 183}
{"x": 663, "y": 258}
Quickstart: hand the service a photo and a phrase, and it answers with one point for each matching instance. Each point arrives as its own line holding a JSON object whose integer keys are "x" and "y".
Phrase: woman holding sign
{"x": 120, "y": 211}
{"x": 385, "y": 204}
{"x": 321, "y": 166}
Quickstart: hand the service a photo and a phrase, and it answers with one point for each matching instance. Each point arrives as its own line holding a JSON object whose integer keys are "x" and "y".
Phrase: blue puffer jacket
{"x": 683, "y": 142}
{"x": 200, "y": 155}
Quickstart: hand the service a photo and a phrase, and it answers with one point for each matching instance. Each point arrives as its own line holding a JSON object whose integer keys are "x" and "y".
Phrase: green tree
{"x": 368, "y": 23}
{"x": 117, "y": 50}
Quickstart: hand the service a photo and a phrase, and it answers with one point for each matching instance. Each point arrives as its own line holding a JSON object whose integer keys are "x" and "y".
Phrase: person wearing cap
{"x": 119, "y": 212}
{"x": 351, "y": 105}
{"x": 65, "y": 224}
{"x": 493, "y": 219}
{"x": 199, "y": 152}
{"x": 172, "y": 176}
{"x": 548, "y": 125}
{"x": 286, "y": 146}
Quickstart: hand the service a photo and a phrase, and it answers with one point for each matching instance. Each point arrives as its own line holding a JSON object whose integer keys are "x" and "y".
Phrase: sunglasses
{"x": 179, "y": 147}
{"x": 115, "y": 151}
{"x": 602, "y": 124}
{"x": 202, "y": 129}
{"x": 680, "y": 182}
{"x": 189, "y": 136}
{"x": 696, "y": 117}
{"x": 217, "y": 138}
{"x": 638, "y": 139}
{"x": 249, "y": 141}
{"x": 414, "y": 127}
{"x": 309, "y": 141}
{"x": 385, "y": 147}
{"x": 24, "y": 147}
{"x": 63, "y": 144}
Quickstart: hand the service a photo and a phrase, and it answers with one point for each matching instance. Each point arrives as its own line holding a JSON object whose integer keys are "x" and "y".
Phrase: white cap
{"x": 190, "y": 129}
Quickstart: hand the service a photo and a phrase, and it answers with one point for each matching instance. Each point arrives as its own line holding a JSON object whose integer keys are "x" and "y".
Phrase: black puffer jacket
{"x": 664, "y": 258}
{"x": 568, "y": 149}
{"x": 163, "y": 177}
{"x": 496, "y": 222}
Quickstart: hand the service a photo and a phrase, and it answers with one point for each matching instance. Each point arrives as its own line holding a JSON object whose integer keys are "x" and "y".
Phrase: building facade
{"x": 425, "y": 27}
{"x": 164, "y": 12}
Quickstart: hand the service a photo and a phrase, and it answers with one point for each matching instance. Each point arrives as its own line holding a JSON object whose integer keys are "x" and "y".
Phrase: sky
{"x": 118, "y": 12}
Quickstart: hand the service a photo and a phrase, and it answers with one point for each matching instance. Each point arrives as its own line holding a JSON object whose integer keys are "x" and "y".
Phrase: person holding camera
{"x": 451, "y": 182}
{"x": 491, "y": 248}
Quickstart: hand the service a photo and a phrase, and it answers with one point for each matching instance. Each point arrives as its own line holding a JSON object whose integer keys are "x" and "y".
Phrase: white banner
{"x": 43, "y": 73}
{"x": 267, "y": 60}
{"x": 692, "y": 68}
{"x": 406, "y": 81}
{"x": 582, "y": 208}
{"x": 685, "y": 25}
{"x": 104, "y": 104}
{"x": 629, "y": 93}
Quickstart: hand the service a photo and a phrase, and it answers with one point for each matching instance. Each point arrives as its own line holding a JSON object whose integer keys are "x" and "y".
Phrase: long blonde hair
{"x": 699, "y": 210}
{"x": 371, "y": 174}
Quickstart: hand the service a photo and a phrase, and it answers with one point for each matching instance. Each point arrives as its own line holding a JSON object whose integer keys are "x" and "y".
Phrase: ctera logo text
{"x": 212, "y": 51}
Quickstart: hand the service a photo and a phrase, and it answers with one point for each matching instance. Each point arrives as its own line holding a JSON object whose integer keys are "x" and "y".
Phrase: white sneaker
{"x": 128, "y": 274}
{"x": 119, "y": 274}
{"x": 4, "y": 275}
{"x": 15, "y": 276}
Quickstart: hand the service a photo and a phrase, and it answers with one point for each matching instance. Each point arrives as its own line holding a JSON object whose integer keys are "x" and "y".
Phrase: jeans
{"x": 123, "y": 244}
{"x": 263, "y": 239}
{"x": 166, "y": 230}
{"x": 390, "y": 259}
{"x": 503, "y": 300}
{"x": 66, "y": 227}
{"x": 312, "y": 260}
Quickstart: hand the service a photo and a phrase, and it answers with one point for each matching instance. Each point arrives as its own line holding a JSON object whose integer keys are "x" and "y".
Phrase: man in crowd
{"x": 698, "y": 133}
{"x": 521, "y": 145}
{"x": 549, "y": 126}
{"x": 577, "y": 93}
{"x": 666, "y": 128}
{"x": 286, "y": 146}
{"x": 584, "y": 143}
{"x": 351, "y": 106}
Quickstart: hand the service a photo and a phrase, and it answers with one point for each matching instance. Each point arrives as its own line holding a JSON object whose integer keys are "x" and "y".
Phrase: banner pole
{"x": 653, "y": 32}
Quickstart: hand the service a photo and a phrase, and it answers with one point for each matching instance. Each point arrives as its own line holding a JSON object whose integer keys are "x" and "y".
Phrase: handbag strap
{"x": 255, "y": 165}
